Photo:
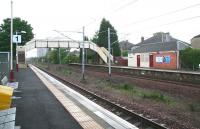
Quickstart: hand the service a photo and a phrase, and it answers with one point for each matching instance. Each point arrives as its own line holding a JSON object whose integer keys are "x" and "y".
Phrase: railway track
{"x": 148, "y": 78}
{"x": 130, "y": 116}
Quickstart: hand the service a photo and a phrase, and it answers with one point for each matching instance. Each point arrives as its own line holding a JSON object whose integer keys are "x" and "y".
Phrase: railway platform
{"x": 38, "y": 108}
{"x": 45, "y": 103}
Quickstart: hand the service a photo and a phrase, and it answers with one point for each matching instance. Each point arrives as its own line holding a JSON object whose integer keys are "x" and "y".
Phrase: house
{"x": 160, "y": 51}
{"x": 195, "y": 42}
{"x": 125, "y": 45}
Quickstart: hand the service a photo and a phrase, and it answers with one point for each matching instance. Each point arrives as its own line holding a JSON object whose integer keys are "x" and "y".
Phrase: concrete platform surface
{"x": 38, "y": 108}
{"x": 82, "y": 109}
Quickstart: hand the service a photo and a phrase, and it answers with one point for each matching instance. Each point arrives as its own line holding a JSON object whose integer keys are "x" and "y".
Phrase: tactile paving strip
{"x": 83, "y": 119}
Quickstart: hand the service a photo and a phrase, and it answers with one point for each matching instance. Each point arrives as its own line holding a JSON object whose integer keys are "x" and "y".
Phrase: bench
{"x": 7, "y": 119}
{"x": 7, "y": 114}
{"x": 5, "y": 82}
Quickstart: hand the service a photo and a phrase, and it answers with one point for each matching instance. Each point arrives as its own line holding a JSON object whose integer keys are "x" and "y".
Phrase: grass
{"x": 194, "y": 107}
{"x": 44, "y": 66}
{"x": 66, "y": 72}
{"x": 155, "y": 95}
{"x": 135, "y": 91}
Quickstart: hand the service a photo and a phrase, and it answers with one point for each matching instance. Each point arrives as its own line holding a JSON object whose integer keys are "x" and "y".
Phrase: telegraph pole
{"x": 109, "y": 65}
{"x": 83, "y": 55}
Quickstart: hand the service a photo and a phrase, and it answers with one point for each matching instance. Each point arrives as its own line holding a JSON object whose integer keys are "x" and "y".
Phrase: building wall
{"x": 144, "y": 60}
{"x": 195, "y": 42}
{"x": 162, "y": 60}
{"x": 132, "y": 60}
{"x": 165, "y": 60}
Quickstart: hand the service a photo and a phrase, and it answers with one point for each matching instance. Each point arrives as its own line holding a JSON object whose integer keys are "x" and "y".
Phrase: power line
{"x": 182, "y": 20}
{"x": 174, "y": 22}
{"x": 114, "y": 11}
{"x": 125, "y": 5}
{"x": 165, "y": 14}
{"x": 64, "y": 35}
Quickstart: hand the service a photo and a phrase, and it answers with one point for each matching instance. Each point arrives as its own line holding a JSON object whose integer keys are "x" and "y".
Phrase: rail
{"x": 130, "y": 116}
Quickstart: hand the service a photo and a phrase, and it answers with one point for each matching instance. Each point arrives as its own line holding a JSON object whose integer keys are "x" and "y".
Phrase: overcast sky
{"x": 179, "y": 17}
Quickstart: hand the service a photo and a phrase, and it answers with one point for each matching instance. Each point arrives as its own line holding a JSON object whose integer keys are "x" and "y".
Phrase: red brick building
{"x": 160, "y": 51}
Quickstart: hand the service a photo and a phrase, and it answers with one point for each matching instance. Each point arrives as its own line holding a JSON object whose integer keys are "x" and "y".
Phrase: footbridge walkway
{"x": 43, "y": 43}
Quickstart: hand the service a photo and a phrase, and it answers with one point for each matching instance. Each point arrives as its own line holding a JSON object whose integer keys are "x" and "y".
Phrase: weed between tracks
{"x": 66, "y": 71}
{"x": 134, "y": 91}
{"x": 44, "y": 66}
{"x": 194, "y": 107}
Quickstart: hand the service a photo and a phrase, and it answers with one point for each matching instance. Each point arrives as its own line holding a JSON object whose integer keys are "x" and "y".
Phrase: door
{"x": 150, "y": 60}
{"x": 138, "y": 60}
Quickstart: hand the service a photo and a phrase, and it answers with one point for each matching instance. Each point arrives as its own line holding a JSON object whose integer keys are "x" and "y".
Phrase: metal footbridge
{"x": 43, "y": 43}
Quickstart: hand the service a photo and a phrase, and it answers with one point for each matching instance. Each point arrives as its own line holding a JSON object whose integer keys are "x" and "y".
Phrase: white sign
{"x": 17, "y": 39}
{"x": 159, "y": 59}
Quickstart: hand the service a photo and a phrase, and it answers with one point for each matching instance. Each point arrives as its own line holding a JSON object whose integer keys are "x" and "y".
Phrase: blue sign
{"x": 166, "y": 59}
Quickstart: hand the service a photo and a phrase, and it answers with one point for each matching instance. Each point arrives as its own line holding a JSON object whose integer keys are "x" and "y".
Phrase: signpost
{"x": 17, "y": 39}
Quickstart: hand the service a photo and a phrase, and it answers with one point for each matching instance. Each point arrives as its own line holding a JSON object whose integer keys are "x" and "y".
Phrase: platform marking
{"x": 83, "y": 119}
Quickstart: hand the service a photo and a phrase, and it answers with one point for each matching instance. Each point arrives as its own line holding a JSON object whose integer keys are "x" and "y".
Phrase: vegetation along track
{"x": 132, "y": 117}
{"x": 148, "y": 78}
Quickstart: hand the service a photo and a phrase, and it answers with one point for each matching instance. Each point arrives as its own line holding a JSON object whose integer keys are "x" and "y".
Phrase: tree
{"x": 102, "y": 37}
{"x": 18, "y": 26}
{"x": 52, "y": 56}
{"x": 95, "y": 37}
{"x": 190, "y": 58}
{"x": 125, "y": 53}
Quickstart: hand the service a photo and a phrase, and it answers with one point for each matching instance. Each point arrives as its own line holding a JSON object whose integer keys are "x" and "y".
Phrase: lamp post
{"x": 83, "y": 48}
{"x": 109, "y": 65}
{"x": 11, "y": 77}
{"x": 83, "y": 55}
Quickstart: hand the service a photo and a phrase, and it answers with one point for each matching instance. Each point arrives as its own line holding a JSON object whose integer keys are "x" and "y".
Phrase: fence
{"x": 4, "y": 64}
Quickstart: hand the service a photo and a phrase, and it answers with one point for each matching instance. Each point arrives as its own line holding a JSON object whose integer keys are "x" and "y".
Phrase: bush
{"x": 190, "y": 58}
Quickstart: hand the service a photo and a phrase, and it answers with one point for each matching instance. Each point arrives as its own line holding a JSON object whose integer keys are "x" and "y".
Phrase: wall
{"x": 132, "y": 60}
{"x": 144, "y": 60}
{"x": 171, "y": 62}
{"x": 121, "y": 61}
{"x": 188, "y": 77}
{"x": 160, "y": 63}
{"x": 195, "y": 42}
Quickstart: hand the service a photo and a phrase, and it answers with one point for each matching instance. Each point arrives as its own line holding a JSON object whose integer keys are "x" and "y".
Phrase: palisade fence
{"x": 4, "y": 64}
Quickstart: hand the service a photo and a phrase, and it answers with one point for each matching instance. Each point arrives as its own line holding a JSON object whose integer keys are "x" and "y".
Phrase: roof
{"x": 158, "y": 37}
{"x": 125, "y": 45}
{"x": 197, "y": 36}
{"x": 159, "y": 42}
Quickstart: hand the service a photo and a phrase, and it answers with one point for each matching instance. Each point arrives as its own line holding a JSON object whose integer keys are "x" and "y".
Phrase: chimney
{"x": 142, "y": 39}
